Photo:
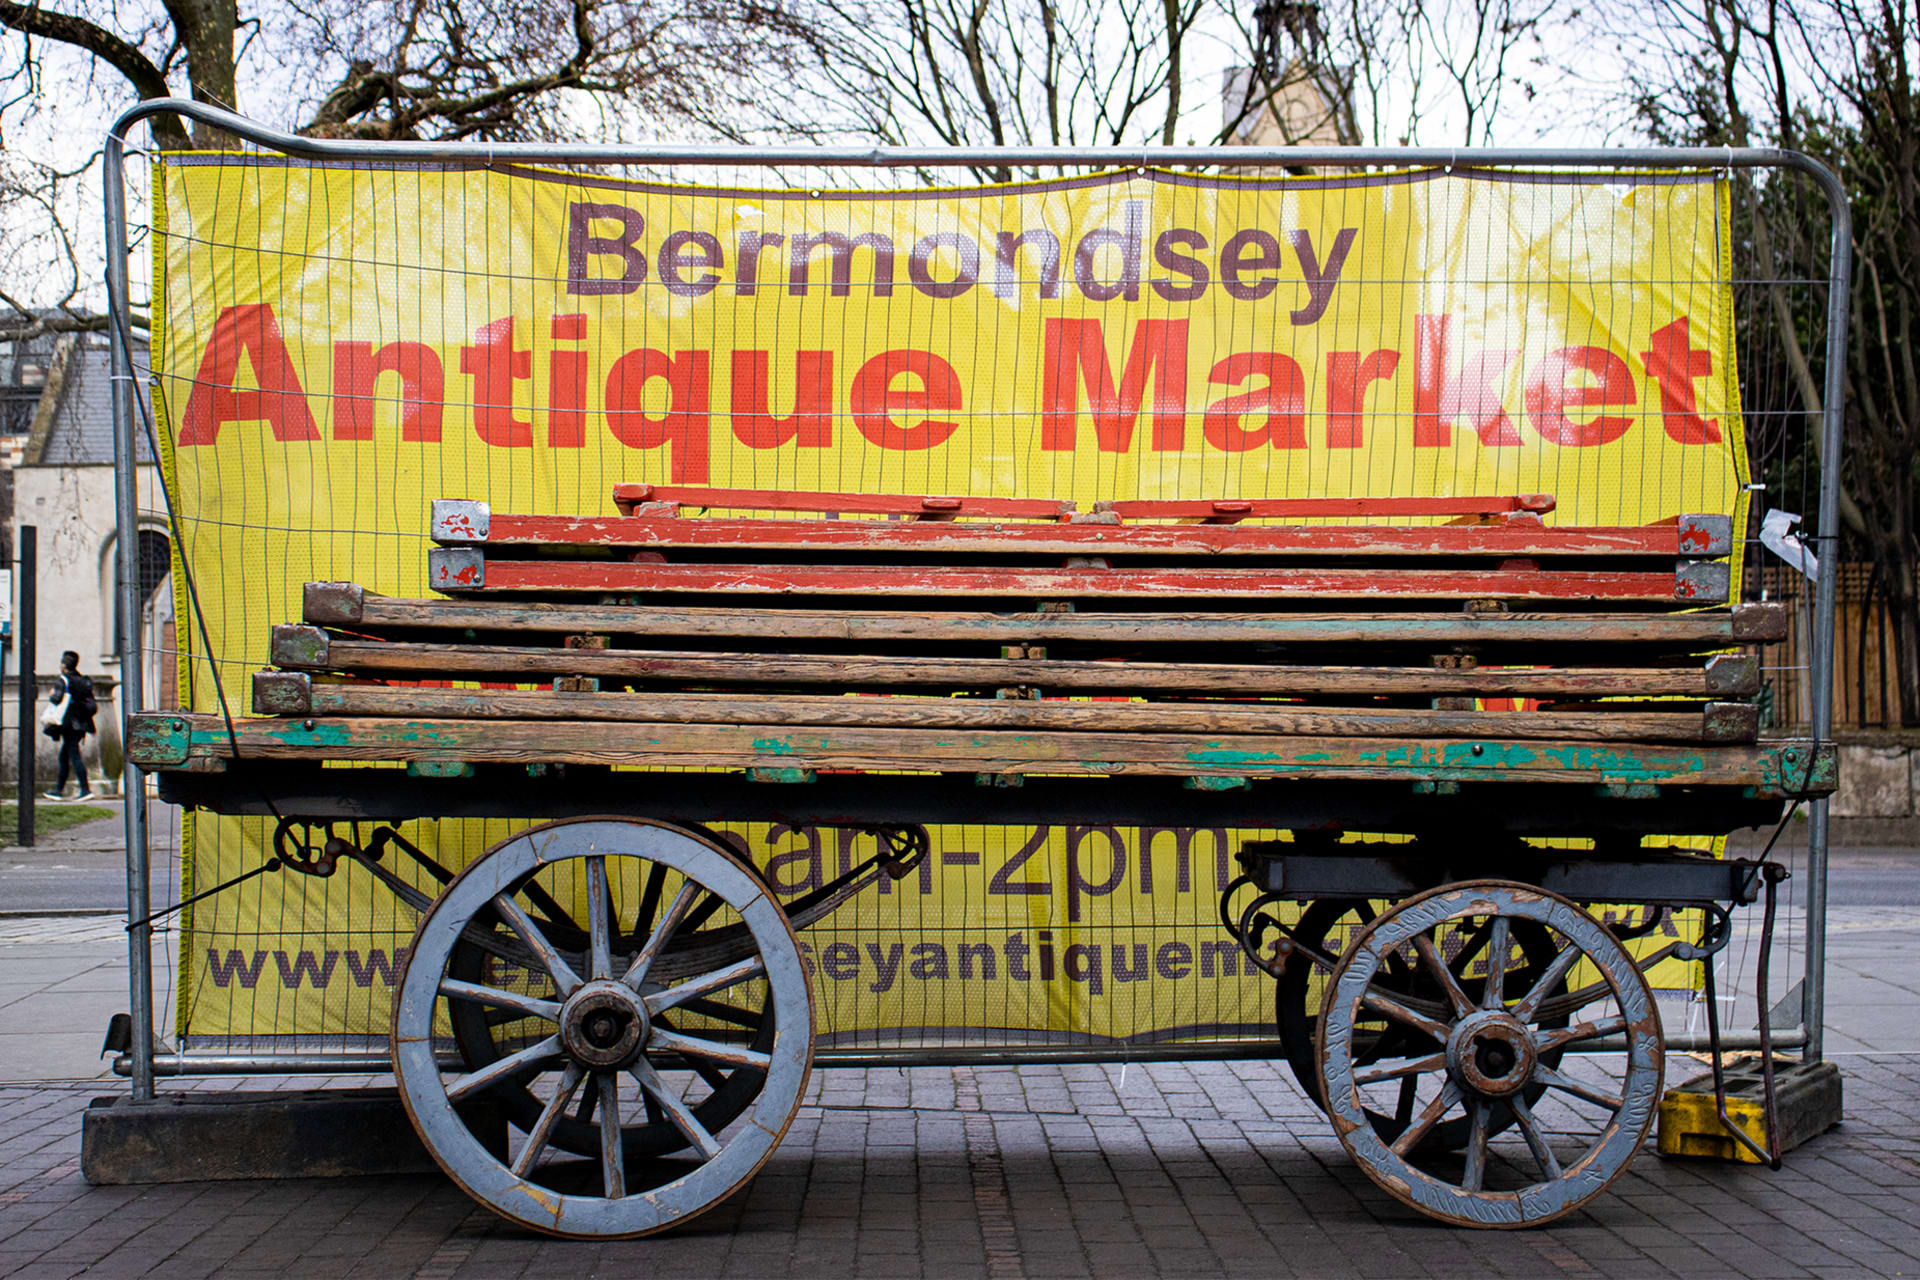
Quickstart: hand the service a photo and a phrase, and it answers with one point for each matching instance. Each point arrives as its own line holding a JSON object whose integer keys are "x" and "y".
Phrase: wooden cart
{"x": 1471, "y": 685}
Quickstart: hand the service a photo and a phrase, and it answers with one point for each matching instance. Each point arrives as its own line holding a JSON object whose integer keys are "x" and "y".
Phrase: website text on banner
{"x": 338, "y": 346}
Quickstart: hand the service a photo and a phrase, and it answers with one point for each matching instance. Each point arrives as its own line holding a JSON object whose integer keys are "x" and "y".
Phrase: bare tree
{"x": 444, "y": 69}
{"x": 425, "y": 68}
{"x": 1138, "y": 72}
{"x": 1390, "y": 72}
{"x": 985, "y": 72}
{"x": 1835, "y": 78}
{"x": 43, "y": 289}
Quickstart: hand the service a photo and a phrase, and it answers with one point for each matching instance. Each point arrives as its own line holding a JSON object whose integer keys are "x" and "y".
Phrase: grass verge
{"x": 48, "y": 817}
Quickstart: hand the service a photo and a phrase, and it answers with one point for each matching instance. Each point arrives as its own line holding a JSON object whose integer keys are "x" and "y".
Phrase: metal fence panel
{"x": 412, "y": 249}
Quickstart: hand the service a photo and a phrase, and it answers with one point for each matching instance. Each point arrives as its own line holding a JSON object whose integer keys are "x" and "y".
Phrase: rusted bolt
{"x": 1478, "y": 749}
{"x": 306, "y": 724}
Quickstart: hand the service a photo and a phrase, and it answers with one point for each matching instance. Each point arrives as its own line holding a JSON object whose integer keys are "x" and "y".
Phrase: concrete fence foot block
{"x": 206, "y": 1136}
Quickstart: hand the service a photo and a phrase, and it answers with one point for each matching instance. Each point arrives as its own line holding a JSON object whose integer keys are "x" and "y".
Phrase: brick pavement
{"x": 1176, "y": 1170}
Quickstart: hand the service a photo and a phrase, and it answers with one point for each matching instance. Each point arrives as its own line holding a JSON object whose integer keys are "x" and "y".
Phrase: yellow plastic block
{"x": 1690, "y": 1125}
{"x": 1808, "y": 1094}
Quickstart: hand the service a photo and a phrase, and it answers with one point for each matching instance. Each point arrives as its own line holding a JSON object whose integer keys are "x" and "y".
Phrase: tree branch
{"x": 146, "y": 79}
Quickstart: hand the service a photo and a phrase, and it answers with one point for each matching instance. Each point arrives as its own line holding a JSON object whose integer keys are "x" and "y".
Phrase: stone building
{"x": 63, "y": 485}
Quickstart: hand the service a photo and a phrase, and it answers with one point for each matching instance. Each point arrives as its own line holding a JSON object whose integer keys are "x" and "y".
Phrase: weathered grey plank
{"x": 345, "y": 604}
{"x": 309, "y": 648}
{"x": 169, "y": 740}
{"x": 296, "y": 694}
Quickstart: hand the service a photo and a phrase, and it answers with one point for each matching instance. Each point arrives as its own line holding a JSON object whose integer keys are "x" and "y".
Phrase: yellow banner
{"x": 337, "y": 346}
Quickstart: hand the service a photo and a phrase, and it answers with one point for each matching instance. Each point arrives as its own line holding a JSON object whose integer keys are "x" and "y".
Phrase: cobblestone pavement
{"x": 1177, "y": 1170}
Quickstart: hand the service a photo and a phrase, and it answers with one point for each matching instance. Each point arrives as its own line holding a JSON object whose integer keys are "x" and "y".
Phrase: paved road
{"x": 1857, "y": 882}
{"x": 84, "y": 868}
{"x": 1171, "y": 1170}
{"x": 1166, "y": 1170}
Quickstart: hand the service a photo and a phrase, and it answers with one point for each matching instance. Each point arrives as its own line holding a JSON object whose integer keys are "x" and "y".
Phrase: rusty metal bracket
{"x": 1773, "y": 873}
{"x": 308, "y": 853}
{"x": 1254, "y": 922}
{"x": 902, "y": 848}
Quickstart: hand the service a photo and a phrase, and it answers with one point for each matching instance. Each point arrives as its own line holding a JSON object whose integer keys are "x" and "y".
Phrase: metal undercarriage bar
{"x": 209, "y": 1063}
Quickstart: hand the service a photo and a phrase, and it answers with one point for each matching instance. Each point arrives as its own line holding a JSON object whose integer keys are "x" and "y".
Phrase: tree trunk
{"x": 206, "y": 28}
{"x": 1903, "y": 610}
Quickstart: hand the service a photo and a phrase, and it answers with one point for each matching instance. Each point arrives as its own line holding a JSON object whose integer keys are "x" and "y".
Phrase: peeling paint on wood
{"x": 1773, "y": 768}
{"x": 869, "y": 671}
{"x": 1744, "y": 623}
{"x": 457, "y": 569}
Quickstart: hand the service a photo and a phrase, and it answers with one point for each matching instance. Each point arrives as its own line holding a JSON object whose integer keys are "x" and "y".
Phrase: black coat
{"x": 81, "y": 690}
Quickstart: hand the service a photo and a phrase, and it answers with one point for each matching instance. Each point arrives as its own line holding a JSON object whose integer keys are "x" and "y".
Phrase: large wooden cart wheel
{"x": 655, "y": 1032}
{"x": 1493, "y": 1048}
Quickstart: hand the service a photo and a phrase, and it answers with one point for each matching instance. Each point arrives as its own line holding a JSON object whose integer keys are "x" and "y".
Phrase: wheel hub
{"x": 1491, "y": 1053}
{"x": 603, "y": 1025}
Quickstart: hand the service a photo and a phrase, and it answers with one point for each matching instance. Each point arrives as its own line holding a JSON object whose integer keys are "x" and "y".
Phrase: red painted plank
{"x": 458, "y": 571}
{"x": 628, "y": 496}
{"x": 1229, "y": 509}
{"x": 1524, "y": 539}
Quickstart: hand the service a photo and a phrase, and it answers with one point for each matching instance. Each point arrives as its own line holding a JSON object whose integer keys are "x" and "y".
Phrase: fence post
{"x": 126, "y": 484}
{"x": 25, "y": 786}
{"x": 1832, "y": 426}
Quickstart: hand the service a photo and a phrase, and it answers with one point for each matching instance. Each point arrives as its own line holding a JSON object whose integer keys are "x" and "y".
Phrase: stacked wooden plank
{"x": 983, "y": 548}
{"x": 1218, "y": 641}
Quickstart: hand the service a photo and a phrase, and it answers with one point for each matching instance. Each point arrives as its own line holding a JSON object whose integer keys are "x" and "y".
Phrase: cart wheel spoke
{"x": 1430, "y": 957}
{"x": 589, "y": 1098}
{"x": 643, "y": 962}
{"x": 1536, "y": 1138}
{"x": 718, "y": 980}
{"x": 1428, "y": 1117}
{"x": 714, "y": 1077}
{"x": 1555, "y": 974}
{"x": 1401, "y": 1070}
{"x": 720, "y": 1011}
{"x": 1498, "y": 945}
{"x": 1567, "y": 1005}
{"x": 565, "y": 980}
{"x": 1385, "y": 1004}
{"x": 1403, "y": 1107}
{"x": 669, "y": 1102}
{"x": 521, "y": 1006}
{"x": 534, "y": 1055}
{"x": 613, "y": 1156}
{"x": 599, "y": 920}
{"x": 542, "y": 1131}
{"x": 1470, "y": 946}
{"x": 702, "y": 913}
{"x": 1552, "y": 1040}
{"x": 543, "y": 903}
{"x": 1475, "y": 1173}
{"x": 1567, "y": 1084}
{"x": 649, "y": 900}
{"x": 674, "y": 1042}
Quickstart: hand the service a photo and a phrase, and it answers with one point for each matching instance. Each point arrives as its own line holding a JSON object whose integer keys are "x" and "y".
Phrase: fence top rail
{"x": 966, "y": 157}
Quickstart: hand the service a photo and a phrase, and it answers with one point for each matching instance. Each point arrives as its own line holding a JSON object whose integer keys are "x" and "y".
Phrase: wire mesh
{"x": 1497, "y": 331}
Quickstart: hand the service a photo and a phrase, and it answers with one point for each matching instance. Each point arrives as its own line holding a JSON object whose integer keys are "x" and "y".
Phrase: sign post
{"x": 29, "y": 684}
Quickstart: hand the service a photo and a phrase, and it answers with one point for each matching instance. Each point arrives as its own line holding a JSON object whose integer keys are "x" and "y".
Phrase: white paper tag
{"x": 1777, "y": 536}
